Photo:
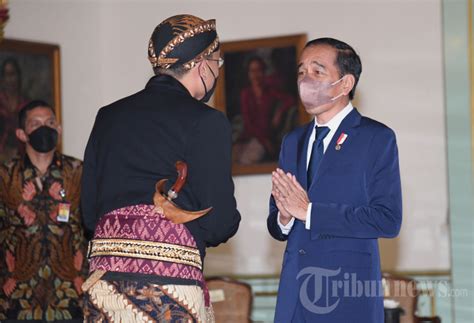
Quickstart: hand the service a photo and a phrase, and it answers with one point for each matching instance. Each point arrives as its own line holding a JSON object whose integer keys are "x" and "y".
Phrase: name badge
{"x": 63, "y": 212}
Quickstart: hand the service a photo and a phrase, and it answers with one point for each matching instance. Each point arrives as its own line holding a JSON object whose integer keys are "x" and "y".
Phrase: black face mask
{"x": 43, "y": 139}
{"x": 208, "y": 94}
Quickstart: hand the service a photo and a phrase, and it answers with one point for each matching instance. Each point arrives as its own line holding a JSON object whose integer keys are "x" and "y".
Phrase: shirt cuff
{"x": 285, "y": 229}
{"x": 307, "y": 224}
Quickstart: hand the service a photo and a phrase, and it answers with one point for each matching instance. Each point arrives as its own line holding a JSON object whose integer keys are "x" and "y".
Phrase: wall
{"x": 103, "y": 47}
{"x": 459, "y": 109}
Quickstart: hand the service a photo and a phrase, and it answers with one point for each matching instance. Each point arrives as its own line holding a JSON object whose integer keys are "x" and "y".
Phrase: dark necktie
{"x": 316, "y": 153}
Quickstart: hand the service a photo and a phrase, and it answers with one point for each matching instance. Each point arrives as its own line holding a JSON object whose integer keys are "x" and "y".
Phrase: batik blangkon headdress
{"x": 182, "y": 41}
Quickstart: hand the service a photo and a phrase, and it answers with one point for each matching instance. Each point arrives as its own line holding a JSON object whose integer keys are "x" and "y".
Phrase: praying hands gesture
{"x": 291, "y": 199}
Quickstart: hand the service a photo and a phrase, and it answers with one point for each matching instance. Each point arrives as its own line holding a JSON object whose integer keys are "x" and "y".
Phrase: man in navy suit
{"x": 336, "y": 192}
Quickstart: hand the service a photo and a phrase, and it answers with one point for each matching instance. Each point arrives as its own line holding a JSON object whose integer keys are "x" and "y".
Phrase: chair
{"x": 231, "y": 299}
{"x": 404, "y": 291}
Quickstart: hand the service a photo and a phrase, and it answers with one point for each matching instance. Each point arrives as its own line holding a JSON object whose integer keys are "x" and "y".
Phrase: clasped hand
{"x": 291, "y": 199}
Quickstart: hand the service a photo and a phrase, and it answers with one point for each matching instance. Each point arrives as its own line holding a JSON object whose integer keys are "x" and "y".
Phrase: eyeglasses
{"x": 220, "y": 61}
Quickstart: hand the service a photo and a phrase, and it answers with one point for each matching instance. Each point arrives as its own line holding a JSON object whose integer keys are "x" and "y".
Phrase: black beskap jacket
{"x": 136, "y": 141}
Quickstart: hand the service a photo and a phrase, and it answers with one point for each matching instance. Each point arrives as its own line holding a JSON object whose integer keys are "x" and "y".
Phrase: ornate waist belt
{"x": 150, "y": 250}
{"x": 138, "y": 239}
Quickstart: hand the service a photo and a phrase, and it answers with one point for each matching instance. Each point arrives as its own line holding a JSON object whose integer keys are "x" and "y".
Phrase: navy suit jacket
{"x": 356, "y": 199}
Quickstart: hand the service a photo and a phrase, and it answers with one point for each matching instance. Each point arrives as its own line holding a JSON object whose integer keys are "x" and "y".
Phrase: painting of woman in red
{"x": 264, "y": 108}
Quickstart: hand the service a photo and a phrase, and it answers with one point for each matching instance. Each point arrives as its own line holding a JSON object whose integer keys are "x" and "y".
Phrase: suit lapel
{"x": 347, "y": 126}
{"x": 303, "y": 155}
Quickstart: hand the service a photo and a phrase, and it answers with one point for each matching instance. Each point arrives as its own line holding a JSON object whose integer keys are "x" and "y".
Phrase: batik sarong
{"x": 137, "y": 239}
{"x": 137, "y": 302}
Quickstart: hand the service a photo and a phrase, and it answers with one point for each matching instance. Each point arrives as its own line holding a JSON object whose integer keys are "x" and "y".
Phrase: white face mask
{"x": 314, "y": 93}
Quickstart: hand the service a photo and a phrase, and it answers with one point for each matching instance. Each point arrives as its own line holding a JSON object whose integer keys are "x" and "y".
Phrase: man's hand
{"x": 285, "y": 216}
{"x": 289, "y": 196}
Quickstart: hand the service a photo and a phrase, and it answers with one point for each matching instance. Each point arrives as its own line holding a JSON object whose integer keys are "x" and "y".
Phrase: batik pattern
{"x": 130, "y": 301}
{"x": 42, "y": 263}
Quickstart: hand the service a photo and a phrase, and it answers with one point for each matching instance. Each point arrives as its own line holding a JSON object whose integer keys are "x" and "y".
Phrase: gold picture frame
{"x": 28, "y": 71}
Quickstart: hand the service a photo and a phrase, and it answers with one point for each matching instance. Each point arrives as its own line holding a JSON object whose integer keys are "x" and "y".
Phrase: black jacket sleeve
{"x": 209, "y": 176}
{"x": 272, "y": 219}
{"x": 89, "y": 184}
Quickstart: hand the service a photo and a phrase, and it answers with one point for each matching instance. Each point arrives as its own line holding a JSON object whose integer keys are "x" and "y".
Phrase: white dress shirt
{"x": 332, "y": 124}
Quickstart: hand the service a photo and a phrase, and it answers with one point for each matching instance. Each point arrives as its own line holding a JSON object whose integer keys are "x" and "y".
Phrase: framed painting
{"x": 257, "y": 90}
{"x": 28, "y": 71}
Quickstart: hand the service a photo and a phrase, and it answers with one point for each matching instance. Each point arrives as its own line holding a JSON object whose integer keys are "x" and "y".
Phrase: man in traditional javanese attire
{"x": 146, "y": 256}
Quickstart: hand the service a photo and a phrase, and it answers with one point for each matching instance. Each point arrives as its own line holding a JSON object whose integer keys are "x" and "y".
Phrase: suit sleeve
{"x": 210, "y": 177}
{"x": 272, "y": 219}
{"x": 89, "y": 184}
{"x": 382, "y": 216}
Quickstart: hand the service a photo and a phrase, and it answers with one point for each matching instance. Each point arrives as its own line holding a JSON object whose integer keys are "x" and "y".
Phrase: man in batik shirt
{"x": 42, "y": 245}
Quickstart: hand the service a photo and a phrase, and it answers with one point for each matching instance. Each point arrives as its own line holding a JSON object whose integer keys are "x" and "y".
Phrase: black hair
{"x": 30, "y": 106}
{"x": 176, "y": 72}
{"x": 256, "y": 58}
{"x": 347, "y": 60}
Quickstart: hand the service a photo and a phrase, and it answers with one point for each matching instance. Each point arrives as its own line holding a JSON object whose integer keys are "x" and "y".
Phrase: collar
{"x": 334, "y": 123}
{"x": 55, "y": 163}
{"x": 167, "y": 82}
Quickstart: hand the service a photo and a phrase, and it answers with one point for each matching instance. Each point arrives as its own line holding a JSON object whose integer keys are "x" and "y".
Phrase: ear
{"x": 348, "y": 83}
{"x": 202, "y": 69}
{"x": 21, "y": 135}
{"x": 59, "y": 129}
